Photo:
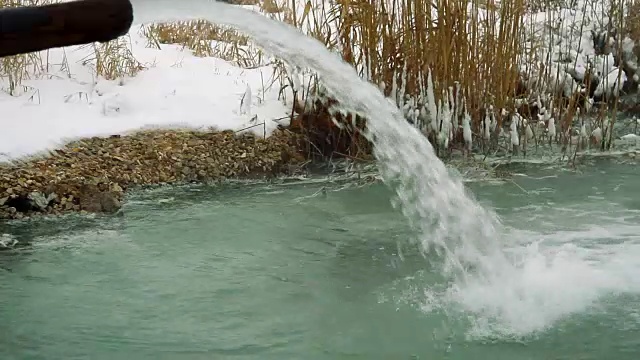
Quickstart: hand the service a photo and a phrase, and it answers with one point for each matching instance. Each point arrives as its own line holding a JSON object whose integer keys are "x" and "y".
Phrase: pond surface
{"x": 288, "y": 271}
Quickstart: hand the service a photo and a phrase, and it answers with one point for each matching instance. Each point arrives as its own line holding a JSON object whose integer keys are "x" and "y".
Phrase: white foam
{"x": 554, "y": 276}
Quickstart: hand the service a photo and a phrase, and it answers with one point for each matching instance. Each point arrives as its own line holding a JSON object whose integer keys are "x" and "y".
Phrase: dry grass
{"x": 114, "y": 60}
{"x": 205, "y": 39}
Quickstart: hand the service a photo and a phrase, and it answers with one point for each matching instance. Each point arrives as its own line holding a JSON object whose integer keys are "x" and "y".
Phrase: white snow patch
{"x": 178, "y": 90}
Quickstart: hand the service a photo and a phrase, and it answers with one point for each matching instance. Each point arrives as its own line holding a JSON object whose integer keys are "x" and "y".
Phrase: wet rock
{"x": 109, "y": 202}
{"x": 90, "y": 198}
{"x": 93, "y": 199}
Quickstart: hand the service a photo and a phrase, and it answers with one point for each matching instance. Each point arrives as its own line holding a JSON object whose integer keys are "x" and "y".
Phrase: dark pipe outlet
{"x": 36, "y": 28}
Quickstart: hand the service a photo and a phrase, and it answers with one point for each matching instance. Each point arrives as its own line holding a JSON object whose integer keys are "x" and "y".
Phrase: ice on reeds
{"x": 466, "y": 131}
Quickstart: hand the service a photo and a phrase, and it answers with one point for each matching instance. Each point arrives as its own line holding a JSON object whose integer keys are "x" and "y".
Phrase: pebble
{"x": 93, "y": 174}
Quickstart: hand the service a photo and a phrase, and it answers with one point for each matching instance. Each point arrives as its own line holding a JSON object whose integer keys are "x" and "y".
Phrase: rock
{"x": 109, "y": 202}
{"x": 95, "y": 201}
{"x": 41, "y": 202}
{"x": 90, "y": 198}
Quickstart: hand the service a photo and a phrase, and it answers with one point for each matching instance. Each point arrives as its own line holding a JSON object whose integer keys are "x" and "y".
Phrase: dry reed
{"x": 205, "y": 39}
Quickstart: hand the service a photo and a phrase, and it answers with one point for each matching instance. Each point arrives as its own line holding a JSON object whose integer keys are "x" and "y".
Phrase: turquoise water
{"x": 288, "y": 271}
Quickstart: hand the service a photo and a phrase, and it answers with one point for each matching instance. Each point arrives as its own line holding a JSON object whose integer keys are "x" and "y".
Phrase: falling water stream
{"x": 449, "y": 220}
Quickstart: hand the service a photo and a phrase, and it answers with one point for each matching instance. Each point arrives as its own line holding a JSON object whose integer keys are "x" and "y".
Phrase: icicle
{"x": 449, "y": 95}
{"x": 447, "y": 129}
{"x": 454, "y": 112}
{"x": 487, "y": 127}
{"x": 528, "y": 132}
{"x": 394, "y": 88}
{"x": 515, "y": 140}
{"x": 403, "y": 83}
{"x": 431, "y": 104}
{"x": 440, "y": 115}
{"x": 466, "y": 130}
{"x": 597, "y": 135}
{"x": 422, "y": 111}
{"x": 423, "y": 117}
{"x": 493, "y": 123}
{"x": 443, "y": 135}
{"x": 588, "y": 105}
{"x": 552, "y": 127}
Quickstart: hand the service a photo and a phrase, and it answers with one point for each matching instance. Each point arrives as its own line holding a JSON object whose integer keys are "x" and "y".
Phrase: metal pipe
{"x": 36, "y": 28}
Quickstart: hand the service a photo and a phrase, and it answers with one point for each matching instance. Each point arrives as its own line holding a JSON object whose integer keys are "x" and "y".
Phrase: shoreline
{"x": 92, "y": 175}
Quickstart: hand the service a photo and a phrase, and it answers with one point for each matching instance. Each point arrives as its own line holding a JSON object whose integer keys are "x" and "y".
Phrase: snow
{"x": 565, "y": 36}
{"x": 177, "y": 90}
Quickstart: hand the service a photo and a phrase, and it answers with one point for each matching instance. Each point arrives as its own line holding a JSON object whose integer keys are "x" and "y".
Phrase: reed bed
{"x": 484, "y": 74}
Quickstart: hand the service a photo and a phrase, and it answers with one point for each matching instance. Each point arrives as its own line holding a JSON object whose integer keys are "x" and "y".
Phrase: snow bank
{"x": 177, "y": 90}
{"x": 571, "y": 41}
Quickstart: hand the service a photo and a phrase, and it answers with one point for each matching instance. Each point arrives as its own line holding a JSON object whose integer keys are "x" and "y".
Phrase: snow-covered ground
{"x": 177, "y": 90}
